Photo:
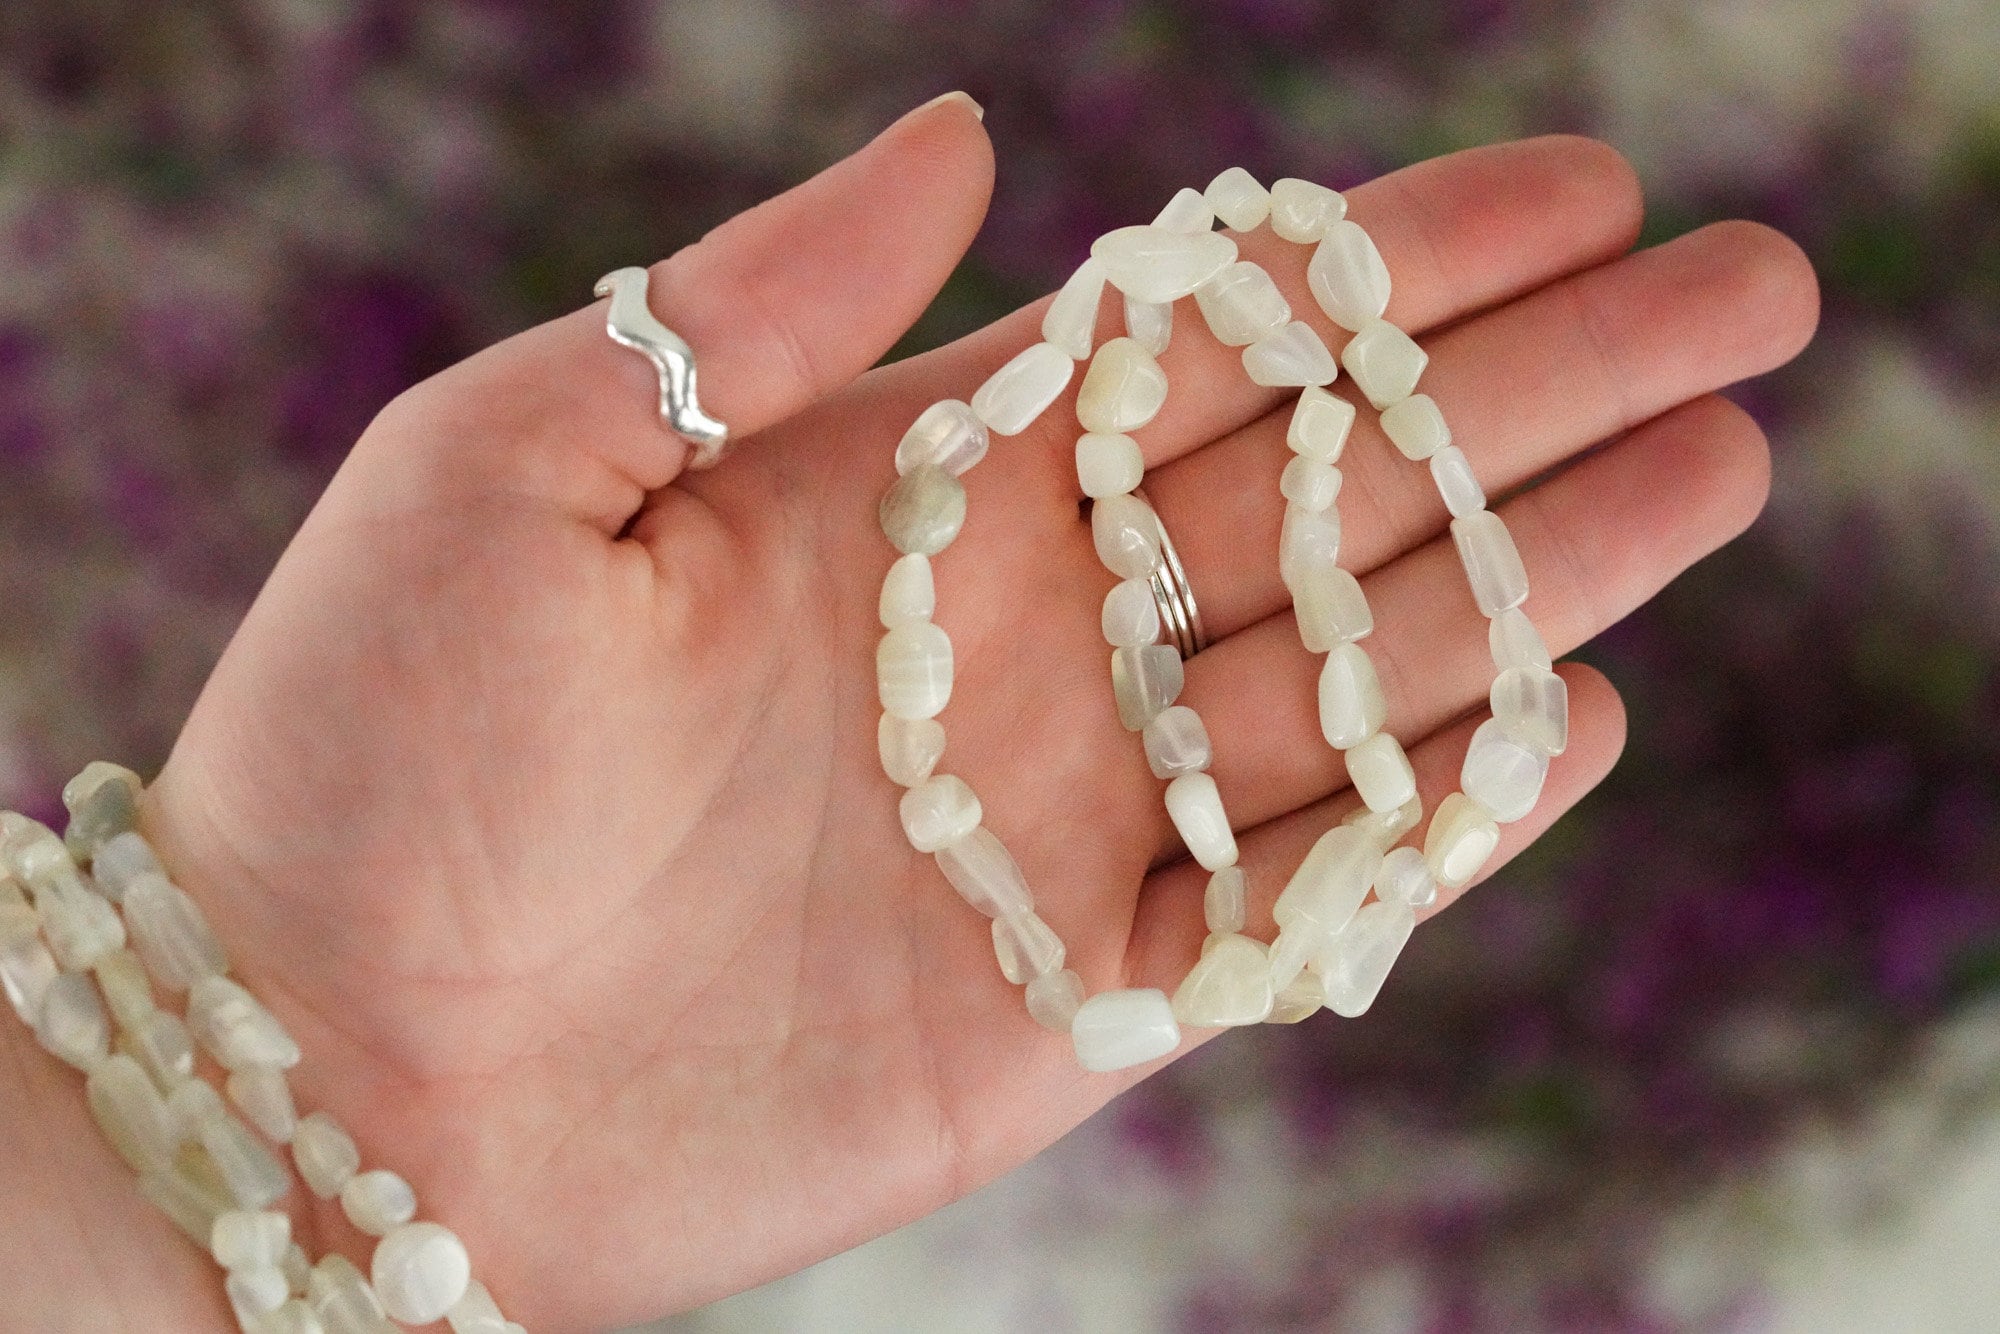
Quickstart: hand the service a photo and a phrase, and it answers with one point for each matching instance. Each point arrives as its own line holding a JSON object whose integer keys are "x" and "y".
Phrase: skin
{"x": 538, "y": 793}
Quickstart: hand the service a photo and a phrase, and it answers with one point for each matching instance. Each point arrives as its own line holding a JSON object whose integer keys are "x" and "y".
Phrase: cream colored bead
{"x": 1150, "y": 324}
{"x": 1053, "y": 999}
{"x": 1352, "y": 706}
{"x": 1347, "y": 276}
{"x": 33, "y": 853}
{"x": 1288, "y": 357}
{"x": 1194, "y": 803}
{"x": 1308, "y": 545}
{"x": 1229, "y": 986}
{"x": 27, "y": 969}
{"x": 1225, "y": 902}
{"x": 1116, "y": 1029}
{"x": 1126, "y": 535}
{"x": 1108, "y": 465}
{"x": 1301, "y": 211}
{"x": 251, "y": 1239}
{"x": 1070, "y": 322}
{"x": 1493, "y": 566}
{"x": 1157, "y": 265}
{"x": 947, "y": 434}
{"x": 1357, "y": 960}
{"x": 80, "y": 924}
{"x": 913, "y": 670}
{"x": 1331, "y": 609}
{"x": 298, "y": 1269}
{"x": 1301, "y": 998}
{"x": 94, "y": 776}
{"x": 1330, "y": 882}
{"x": 1514, "y": 642}
{"x": 192, "y": 1207}
{"x": 1502, "y": 774}
{"x": 1385, "y": 362}
{"x": 1241, "y": 304}
{"x": 1319, "y": 425}
{"x": 72, "y": 1024}
{"x": 1239, "y": 200}
{"x": 923, "y": 511}
{"x": 1310, "y": 484}
{"x": 1385, "y": 827}
{"x": 1026, "y": 947}
{"x": 1531, "y": 704}
{"x": 910, "y": 748}
{"x": 908, "y": 592}
{"x": 1176, "y": 742}
{"x": 986, "y": 875}
{"x": 170, "y": 933}
{"x": 128, "y": 992}
{"x": 1460, "y": 839}
{"x": 236, "y": 1029}
{"x": 1022, "y": 390}
{"x": 106, "y": 803}
{"x": 1461, "y": 491}
{"x": 264, "y": 1095}
{"x": 938, "y": 812}
{"x": 131, "y": 1114}
{"x": 342, "y": 1298}
{"x": 294, "y": 1317}
{"x": 1415, "y": 426}
{"x": 420, "y": 1271}
{"x": 1188, "y": 211}
{"x": 1131, "y": 616}
{"x": 476, "y": 1312}
{"x": 378, "y": 1201}
{"x": 1123, "y": 389}
{"x": 120, "y": 860}
{"x": 324, "y": 1154}
{"x": 1145, "y": 679}
{"x": 254, "y": 1294}
{"x": 1405, "y": 878}
{"x": 163, "y": 1045}
{"x": 1381, "y": 772}
{"x": 193, "y": 1104}
{"x": 253, "y": 1174}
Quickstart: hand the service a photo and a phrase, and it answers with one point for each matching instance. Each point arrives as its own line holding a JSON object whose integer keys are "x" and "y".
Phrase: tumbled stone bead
{"x": 1238, "y": 199}
{"x": 1145, "y": 678}
{"x": 476, "y": 1312}
{"x": 254, "y": 1294}
{"x": 1301, "y": 998}
{"x": 252, "y": 1172}
{"x": 985, "y": 874}
{"x": 108, "y": 809}
{"x": 341, "y": 1297}
{"x": 120, "y": 860}
{"x": 251, "y": 1239}
{"x": 26, "y": 967}
{"x": 913, "y": 670}
{"x": 1301, "y": 211}
{"x": 1502, "y": 774}
{"x": 420, "y": 1270}
{"x": 264, "y": 1095}
{"x": 1456, "y": 483}
{"x": 128, "y": 992}
{"x": 92, "y": 778}
{"x": 1531, "y": 704}
{"x": 1356, "y": 961}
{"x": 923, "y": 511}
{"x": 163, "y": 1045}
{"x": 1224, "y": 903}
{"x": 324, "y": 1154}
{"x": 1242, "y": 304}
{"x": 1331, "y": 881}
{"x": 1331, "y": 609}
{"x": 1126, "y": 534}
{"x": 1070, "y": 322}
{"x": 1415, "y": 426}
{"x": 1460, "y": 839}
{"x": 910, "y": 748}
{"x": 1022, "y": 390}
{"x": 938, "y": 812}
{"x": 1291, "y": 356}
{"x": 194, "y": 1103}
{"x": 1176, "y": 742}
{"x": 1108, "y": 464}
{"x": 1493, "y": 566}
{"x": 72, "y": 1024}
{"x": 171, "y": 934}
{"x": 1514, "y": 641}
{"x": 32, "y": 852}
{"x": 1131, "y": 615}
{"x": 131, "y": 1114}
{"x": 1188, "y": 211}
{"x": 947, "y": 434}
{"x": 1053, "y": 999}
{"x": 1308, "y": 545}
{"x": 1352, "y": 706}
{"x": 1026, "y": 947}
{"x": 1405, "y": 878}
{"x": 378, "y": 1201}
{"x": 294, "y": 1317}
{"x": 1347, "y": 276}
{"x": 234, "y": 1027}
{"x": 1381, "y": 772}
{"x": 1385, "y": 827}
{"x": 80, "y": 924}
{"x": 1155, "y": 264}
{"x": 1230, "y": 985}
{"x": 1385, "y": 362}
{"x": 1194, "y": 803}
{"x": 1116, "y": 1029}
{"x": 1150, "y": 324}
{"x": 298, "y": 1269}
{"x": 192, "y": 1207}
{"x": 1310, "y": 484}
{"x": 1123, "y": 389}
{"x": 908, "y": 592}
{"x": 1319, "y": 424}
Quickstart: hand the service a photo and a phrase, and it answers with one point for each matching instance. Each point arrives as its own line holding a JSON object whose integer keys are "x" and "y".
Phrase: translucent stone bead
{"x": 923, "y": 511}
{"x": 986, "y": 875}
{"x": 1455, "y": 482}
{"x": 1381, "y": 772}
{"x": 252, "y": 1172}
{"x": 1415, "y": 426}
{"x": 128, "y": 992}
{"x": 131, "y": 1114}
{"x": 91, "y": 780}
{"x": 1188, "y": 211}
{"x": 1150, "y": 324}
{"x": 1177, "y": 743}
{"x": 1503, "y": 775}
{"x": 1405, "y": 878}
{"x": 909, "y": 747}
{"x": 947, "y": 434}
{"x": 1460, "y": 839}
{"x": 1309, "y": 545}
{"x": 192, "y": 1208}
{"x": 264, "y": 1096}
{"x": 72, "y": 1024}
{"x": 1022, "y": 390}
{"x": 194, "y": 1104}
{"x": 938, "y": 812}
{"x": 1157, "y": 265}
{"x": 236, "y": 1029}
{"x": 27, "y": 969}
{"x": 294, "y": 1317}
{"x": 32, "y": 853}
{"x": 1385, "y": 362}
{"x": 377, "y": 1201}
{"x": 1296, "y": 944}
{"x": 120, "y": 860}
{"x": 1230, "y": 985}
{"x": 420, "y": 1270}
{"x": 1053, "y": 999}
{"x": 1514, "y": 642}
{"x": 298, "y": 1269}
{"x": 1145, "y": 679}
{"x": 1289, "y": 357}
{"x": 251, "y": 1239}
{"x": 108, "y": 808}
{"x": 1531, "y": 704}
{"x": 1239, "y": 200}
{"x": 1195, "y": 805}
{"x": 1126, "y": 535}
{"x": 255, "y": 1293}
{"x": 908, "y": 592}
{"x": 80, "y": 924}
{"x": 163, "y": 1045}
{"x": 1331, "y": 882}
{"x": 1310, "y": 484}
{"x": 476, "y": 1312}
{"x": 1319, "y": 424}
{"x": 1123, "y": 389}
{"x": 1356, "y": 961}
{"x": 1116, "y": 1029}
{"x": 1301, "y": 998}
{"x": 1224, "y": 904}
{"x": 913, "y": 670}
{"x": 1242, "y": 304}
{"x": 1026, "y": 947}
{"x": 1352, "y": 706}
{"x": 1348, "y": 277}
{"x": 1131, "y": 616}
{"x": 1301, "y": 211}
{"x": 170, "y": 933}
{"x": 341, "y": 1297}
{"x": 1108, "y": 465}
{"x": 1070, "y": 322}
{"x": 324, "y": 1154}
{"x": 1331, "y": 609}
{"x": 1492, "y": 564}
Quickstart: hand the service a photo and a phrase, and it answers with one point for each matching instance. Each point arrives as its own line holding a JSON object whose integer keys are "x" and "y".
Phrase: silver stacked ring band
{"x": 1173, "y": 594}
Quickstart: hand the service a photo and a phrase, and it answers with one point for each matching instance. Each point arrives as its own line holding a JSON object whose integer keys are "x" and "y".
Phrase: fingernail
{"x": 978, "y": 111}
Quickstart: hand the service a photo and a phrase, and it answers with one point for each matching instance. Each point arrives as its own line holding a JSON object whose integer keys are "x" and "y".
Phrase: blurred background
{"x": 1721, "y": 1053}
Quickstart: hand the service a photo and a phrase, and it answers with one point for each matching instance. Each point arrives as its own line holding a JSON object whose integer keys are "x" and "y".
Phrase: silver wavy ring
{"x": 631, "y": 323}
{"x": 1172, "y": 593}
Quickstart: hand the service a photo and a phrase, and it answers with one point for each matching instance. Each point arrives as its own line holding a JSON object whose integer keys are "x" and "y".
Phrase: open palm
{"x": 538, "y": 791}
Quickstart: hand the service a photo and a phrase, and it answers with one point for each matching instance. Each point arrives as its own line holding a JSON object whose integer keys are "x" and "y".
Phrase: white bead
{"x": 298, "y": 1269}
{"x": 236, "y": 1029}
{"x": 26, "y": 966}
{"x": 1460, "y": 839}
{"x": 294, "y": 1317}
{"x": 170, "y": 933}
{"x": 162, "y": 1044}
{"x": 1331, "y": 609}
{"x": 32, "y": 852}
{"x": 1188, "y": 211}
{"x": 1319, "y": 424}
{"x": 1071, "y": 320}
{"x": 1455, "y": 482}
{"x": 1108, "y": 464}
{"x": 1123, "y": 389}
{"x": 1406, "y": 878}
{"x": 1330, "y": 883}
{"x": 1145, "y": 679}
{"x": 128, "y": 992}
{"x": 1026, "y": 947}
{"x": 948, "y": 434}
{"x": 909, "y": 747}
{"x": 103, "y": 801}
{"x": 420, "y": 1271}
{"x": 264, "y": 1096}
{"x": 1150, "y": 324}
{"x": 378, "y": 1201}
{"x": 1177, "y": 743}
{"x": 250, "y": 1239}
{"x": 1301, "y": 998}
{"x": 80, "y": 924}
{"x": 1385, "y": 362}
{"x": 1126, "y": 535}
{"x": 1301, "y": 211}
{"x": 1514, "y": 642}
{"x": 72, "y": 1024}
{"x": 255, "y": 1293}
{"x": 1308, "y": 545}
{"x": 193, "y": 1104}
{"x": 476, "y": 1312}
{"x": 1195, "y": 805}
{"x": 1238, "y": 199}
{"x": 1415, "y": 426}
{"x": 923, "y": 510}
{"x": 1531, "y": 704}
{"x": 324, "y": 1154}
{"x": 1493, "y": 566}
{"x": 913, "y": 670}
{"x": 1310, "y": 484}
{"x": 938, "y": 812}
{"x": 1053, "y": 999}
{"x": 985, "y": 874}
{"x": 1157, "y": 265}
{"x": 253, "y": 1174}
{"x": 1356, "y": 961}
{"x": 1131, "y": 616}
{"x": 1503, "y": 775}
{"x": 132, "y": 1115}
{"x": 191, "y": 1206}
{"x": 1289, "y": 357}
{"x": 1348, "y": 277}
{"x": 1385, "y": 827}
{"x": 1116, "y": 1029}
{"x": 1352, "y": 706}
{"x": 120, "y": 860}
{"x": 1381, "y": 772}
{"x": 1230, "y": 985}
{"x": 1225, "y": 902}
{"x": 1242, "y": 304}
{"x": 343, "y": 1299}
{"x": 95, "y": 775}
{"x": 1022, "y": 390}
{"x": 908, "y": 591}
